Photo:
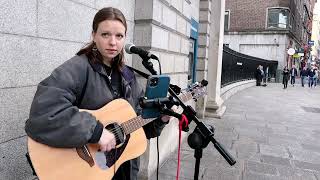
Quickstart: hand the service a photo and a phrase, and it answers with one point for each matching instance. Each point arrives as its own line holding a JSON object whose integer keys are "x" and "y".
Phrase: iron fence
{"x": 239, "y": 67}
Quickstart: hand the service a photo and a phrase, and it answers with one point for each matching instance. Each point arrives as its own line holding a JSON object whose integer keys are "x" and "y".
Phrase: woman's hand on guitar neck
{"x": 107, "y": 141}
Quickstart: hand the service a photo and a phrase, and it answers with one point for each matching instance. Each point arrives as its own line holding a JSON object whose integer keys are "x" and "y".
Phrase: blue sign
{"x": 311, "y": 43}
{"x": 194, "y": 29}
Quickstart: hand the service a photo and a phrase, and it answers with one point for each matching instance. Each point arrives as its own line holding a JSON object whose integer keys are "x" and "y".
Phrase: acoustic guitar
{"x": 88, "y": 162}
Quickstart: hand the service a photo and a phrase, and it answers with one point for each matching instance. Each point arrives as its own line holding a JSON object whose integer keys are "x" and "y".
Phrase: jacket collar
{"x": 127, "y": 74}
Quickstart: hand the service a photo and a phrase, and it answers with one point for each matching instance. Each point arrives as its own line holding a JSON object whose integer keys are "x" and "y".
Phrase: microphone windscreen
{"x": 127, "y": 48}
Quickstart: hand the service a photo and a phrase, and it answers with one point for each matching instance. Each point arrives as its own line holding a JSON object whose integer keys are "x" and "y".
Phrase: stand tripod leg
{"x": 198, "y": 156}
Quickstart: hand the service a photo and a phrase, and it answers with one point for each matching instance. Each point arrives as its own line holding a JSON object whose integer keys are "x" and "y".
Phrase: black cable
{"x": 159, "y": 66}
{"x": 158, "y": 158}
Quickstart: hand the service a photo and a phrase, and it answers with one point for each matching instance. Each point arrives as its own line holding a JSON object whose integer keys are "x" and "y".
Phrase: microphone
{"x": 132, "y": 49}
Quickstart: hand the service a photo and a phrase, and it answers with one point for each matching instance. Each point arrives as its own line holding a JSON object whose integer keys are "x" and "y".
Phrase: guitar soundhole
{"x": 107, "y": 159}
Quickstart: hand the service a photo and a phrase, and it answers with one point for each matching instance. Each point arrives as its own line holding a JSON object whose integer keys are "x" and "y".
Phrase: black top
{"x": 115, "y": 83}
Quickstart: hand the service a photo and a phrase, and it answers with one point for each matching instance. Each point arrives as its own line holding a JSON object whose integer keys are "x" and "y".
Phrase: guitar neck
{"x": 137, "y": 122}
{"x": 134, "y": 124}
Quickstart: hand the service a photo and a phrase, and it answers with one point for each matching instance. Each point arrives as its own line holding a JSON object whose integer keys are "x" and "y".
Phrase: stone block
{"x": 205, "y": 5}
{"x": 186, "y": 64}
{"x": 36, "y": 59}
{"x": 182, "y": 25}
{"x": 185, "y": 46}
{"x": 174, "y": 79}
{"x": 200, "y": 75}
{"x": 204, "y": 28}
{"x": 14, "y": 110}
{"x": 204, "y": 40}
{"x": 65, "y": 20}
{"x": 143, "y": 9}
{"x": 157, "y": 11}
{"x": 130, "y": 29}
{"x": 18, "y": 17}
{"x": 203, "y": 52}
{"x": 167, "y": 61}
{"x": 177, "y": 4}
{"x": 204, "y": 16}
{"x": 179, "y": 62}
{"x": 13, "y": 163}
{"x": 202, "y": 64}
{"x": 125, "y": 6}
{"x": 186, "y": 10}
{"x": 195, "y": 10}
{"x": 169, "y": 17}
{"x": 160, "y": 38}
{"x": 142, "y": 34}
{"x": 53, "y": 53}
{"x": 188, "y": 29}
{"x": 174, "y": 42}
{"x": 183, "y": 78}
{"x": 89, "y": 3}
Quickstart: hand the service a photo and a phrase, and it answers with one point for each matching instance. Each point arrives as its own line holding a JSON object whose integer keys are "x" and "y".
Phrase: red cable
{"x": 183, "y": 122}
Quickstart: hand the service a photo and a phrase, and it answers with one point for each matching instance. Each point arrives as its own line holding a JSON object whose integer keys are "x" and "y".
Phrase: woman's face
{"x": 109, "y": 39}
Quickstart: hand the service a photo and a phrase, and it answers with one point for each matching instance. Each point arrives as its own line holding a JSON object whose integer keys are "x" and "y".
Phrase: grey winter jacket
{"x": 54, "y": 117}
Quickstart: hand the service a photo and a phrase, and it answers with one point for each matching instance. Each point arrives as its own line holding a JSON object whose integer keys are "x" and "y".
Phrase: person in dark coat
{"x": 304, "y": 75}
{"x": 258, "y": 76}
{"x": 285, "y": 78}
{"x": 91, "y": 79}
{"x": 293, "y": 74}
{"x": 311, "y": 74}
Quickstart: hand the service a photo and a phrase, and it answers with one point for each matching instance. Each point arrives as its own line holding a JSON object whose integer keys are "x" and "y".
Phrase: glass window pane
{"x": 226, "y": 20}
{"x": 278, "y": 18}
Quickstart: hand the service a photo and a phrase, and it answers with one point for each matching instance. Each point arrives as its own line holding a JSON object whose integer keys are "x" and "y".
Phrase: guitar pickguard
{"x": 105, "y": 160}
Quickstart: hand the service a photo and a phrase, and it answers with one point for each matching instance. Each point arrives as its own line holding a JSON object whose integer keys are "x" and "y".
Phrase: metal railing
{"x": 240, "y": 67}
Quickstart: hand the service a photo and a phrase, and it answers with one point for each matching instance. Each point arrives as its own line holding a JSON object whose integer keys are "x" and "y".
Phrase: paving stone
{"x": 261, "y": 168}
{"x": 307, "y": 165}
{"x": 275, "y": 160}
{"x": 254, "y": 176}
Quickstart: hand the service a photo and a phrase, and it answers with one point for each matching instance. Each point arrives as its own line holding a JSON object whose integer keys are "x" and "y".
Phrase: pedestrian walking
{"x": 303, "y": 74}
{"x": 310, "y": 77}
{"x": 293, "y": 74}
{"x": 315, "y": 76}
{"x": 285, "y": 78}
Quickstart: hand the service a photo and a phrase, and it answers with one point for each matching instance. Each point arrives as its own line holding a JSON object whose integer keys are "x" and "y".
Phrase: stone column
{"x": 203, "y": 48}
{"x": 214, "y": 106}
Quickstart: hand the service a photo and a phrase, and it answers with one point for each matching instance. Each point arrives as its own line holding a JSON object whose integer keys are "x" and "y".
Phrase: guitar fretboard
{"x": 137, "y": 122}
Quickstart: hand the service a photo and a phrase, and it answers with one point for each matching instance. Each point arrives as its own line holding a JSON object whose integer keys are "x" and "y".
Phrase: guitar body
{"x": 65, "y": 163}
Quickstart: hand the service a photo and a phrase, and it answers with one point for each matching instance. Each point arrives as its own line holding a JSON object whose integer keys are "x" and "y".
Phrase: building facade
{"x": 316, "y": 35}
{"x": 267, "y": 29}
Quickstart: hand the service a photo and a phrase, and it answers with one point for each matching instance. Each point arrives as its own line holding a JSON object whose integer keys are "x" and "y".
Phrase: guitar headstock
{"x": 197, "y": 90}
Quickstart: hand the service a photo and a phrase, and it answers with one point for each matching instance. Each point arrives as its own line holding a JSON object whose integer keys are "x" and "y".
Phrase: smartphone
{"x": 157, "y": 87}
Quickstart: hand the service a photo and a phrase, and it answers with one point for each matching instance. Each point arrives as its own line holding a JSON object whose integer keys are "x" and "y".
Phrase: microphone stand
{"x": 148, "y": 65}
{"x": 202, "y": 134}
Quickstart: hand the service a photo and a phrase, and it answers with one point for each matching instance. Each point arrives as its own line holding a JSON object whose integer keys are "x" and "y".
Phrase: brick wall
{"x": 249, "y": 15}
